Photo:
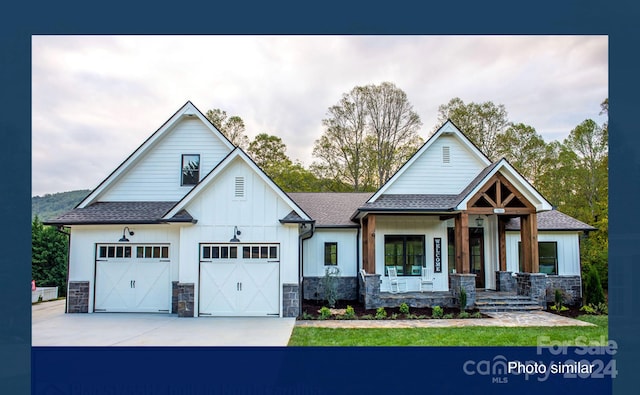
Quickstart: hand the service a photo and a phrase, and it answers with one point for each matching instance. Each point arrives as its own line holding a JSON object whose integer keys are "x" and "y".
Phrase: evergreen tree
{"x": 48, "y": 257}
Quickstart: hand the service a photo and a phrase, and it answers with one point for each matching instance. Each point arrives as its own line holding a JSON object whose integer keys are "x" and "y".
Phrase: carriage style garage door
{"x": 132, "y": 278}
{"x": 239, "y": 279}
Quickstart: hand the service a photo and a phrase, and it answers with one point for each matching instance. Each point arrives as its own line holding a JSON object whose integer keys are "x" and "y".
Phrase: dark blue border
{"x": 617, "y": 18}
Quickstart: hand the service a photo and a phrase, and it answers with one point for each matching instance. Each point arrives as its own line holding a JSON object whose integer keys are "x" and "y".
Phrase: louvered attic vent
{"x": 239, "y": 187}
{"x": 446, "y": 154}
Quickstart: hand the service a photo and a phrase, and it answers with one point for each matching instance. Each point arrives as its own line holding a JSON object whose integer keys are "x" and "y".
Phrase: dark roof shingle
{"x": 553, "y": 220}
{"x": 330, "y": 208}
{"x": 120, "y": 213}
{"x": 412, "y": 202}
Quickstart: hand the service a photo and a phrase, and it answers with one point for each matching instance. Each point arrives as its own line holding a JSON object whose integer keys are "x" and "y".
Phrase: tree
{"x": 233, "y": 127}
{"x": 48, "y": 256}
{"x": 480, "y": 122}
{"x": 341, "y": 149}
{"x": 268, "y": 151}
{"x": 525, "y": 149}
{"x": 368, "y": 135}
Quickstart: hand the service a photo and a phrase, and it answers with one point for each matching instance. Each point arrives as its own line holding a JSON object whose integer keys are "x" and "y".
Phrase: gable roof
{"x": 330, "y": 209}
{"x": 238, "y": 154}
{"x": 512, "y": 175}
{"x": 187, "y": 110}
{"x": 449, "y": 129}
{"x": 553, "y": 220}
{"x": 121, "y": 213}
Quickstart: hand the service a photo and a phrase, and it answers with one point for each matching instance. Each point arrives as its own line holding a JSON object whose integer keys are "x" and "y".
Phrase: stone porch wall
{"x": 506, "y": 282}
{"x": 370, "y": 290}
{"x": 464, "y": 281}
{"x": 313, "y": 289}
{"x": 533, "y": 285}
{"x": 571, "y": 285}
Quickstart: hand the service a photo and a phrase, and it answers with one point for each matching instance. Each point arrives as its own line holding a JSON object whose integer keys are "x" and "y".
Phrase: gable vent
{"x": 446, "y": 154}
{"x": 239, "y": 187}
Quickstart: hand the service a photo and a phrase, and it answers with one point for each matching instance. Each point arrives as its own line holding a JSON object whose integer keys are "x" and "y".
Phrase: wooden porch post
{"x": 462, "y": 242}
{"x": 369, "y": 246}
{"x": 502, "y": 245}
{"x": 529, "y": 243}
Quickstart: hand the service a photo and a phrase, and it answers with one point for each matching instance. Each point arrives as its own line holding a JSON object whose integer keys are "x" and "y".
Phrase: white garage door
{"x": 132, "y": 278}
{"x": 239, "y": 280}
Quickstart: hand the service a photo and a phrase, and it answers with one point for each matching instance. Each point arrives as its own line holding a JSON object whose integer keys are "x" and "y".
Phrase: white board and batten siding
{"x": 313, "y": 252}
{"x": 568, "y": 249}
{"x": 256, "y": 214}
{"x": 85, "y": 239}
{"x": 429, "y": 227}
{"x": 446, "y": 167}
{"x": 156, "y": 175}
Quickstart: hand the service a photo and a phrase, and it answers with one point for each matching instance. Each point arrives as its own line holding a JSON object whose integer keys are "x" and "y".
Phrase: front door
{"x": 476, "y": 255}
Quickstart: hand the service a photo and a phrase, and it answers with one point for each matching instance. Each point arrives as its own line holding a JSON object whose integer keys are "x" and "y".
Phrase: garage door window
{"x": 106, "y": 251}
{"x": 219, "y": 252}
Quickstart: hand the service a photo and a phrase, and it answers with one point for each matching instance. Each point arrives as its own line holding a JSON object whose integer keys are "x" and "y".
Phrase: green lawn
{"x": 465, "y": 336}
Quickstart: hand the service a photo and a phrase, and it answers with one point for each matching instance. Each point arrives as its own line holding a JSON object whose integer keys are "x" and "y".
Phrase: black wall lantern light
{"x": 479, "y": 221}
{"x": 236, "y": 233}
{"x": 124, "y": 237}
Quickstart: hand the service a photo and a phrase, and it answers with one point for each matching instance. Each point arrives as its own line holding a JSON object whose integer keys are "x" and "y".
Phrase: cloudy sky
{"x": 97, "y": 98}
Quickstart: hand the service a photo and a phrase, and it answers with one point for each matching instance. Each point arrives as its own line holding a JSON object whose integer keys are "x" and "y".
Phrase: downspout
{"x": 304, "y": 236}
{"x": 66, "y": 299}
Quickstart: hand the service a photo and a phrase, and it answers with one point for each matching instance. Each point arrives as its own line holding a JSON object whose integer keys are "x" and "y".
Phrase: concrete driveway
{"x": 52, "y": 327}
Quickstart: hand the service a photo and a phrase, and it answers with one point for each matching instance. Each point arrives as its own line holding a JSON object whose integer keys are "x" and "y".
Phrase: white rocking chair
{"x": 394, "y": 281}
{"x": 426, "y": 280}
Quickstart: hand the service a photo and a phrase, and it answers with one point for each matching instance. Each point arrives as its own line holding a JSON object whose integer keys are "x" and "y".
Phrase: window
{"x": 190, "y": 169}
{"x": 547, "y": 257}
{"x": 226, "y": 252}
{"x": 406, "y": 253}
{"x": 330, "y": 254}
{"x": 141, "y": 251}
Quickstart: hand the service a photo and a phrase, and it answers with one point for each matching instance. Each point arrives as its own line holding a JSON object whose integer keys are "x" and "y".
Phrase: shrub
{"x": 464, "y": 314}
{"x": 349, "y": 314}
{"x": 381, "y": 313}
{"x": 306, "y": 316}
{"x": 448, "y": 316}
{"x": 589, "y": 309}
{"x": 593, "y": 293}
{"x": 394, "y": 316}
{"x": 366, "y": 317}
{"x": 325, "y": 313}
{"x": 437, "y": 312}
{"x": 404, "y": 308}
{"x": 463, "y": 299}
{"x": 477, "y": 314}
{"x": 329, "y": 285}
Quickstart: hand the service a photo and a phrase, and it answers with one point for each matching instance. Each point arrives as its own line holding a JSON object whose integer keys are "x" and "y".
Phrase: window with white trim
{"x": 233, "y": 252}
{"x": 109, "y": 251}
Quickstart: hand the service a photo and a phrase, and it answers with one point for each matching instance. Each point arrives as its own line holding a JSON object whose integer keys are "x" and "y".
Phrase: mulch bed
{"x": 312, "y": 308}
{"x": 573, "y": 312}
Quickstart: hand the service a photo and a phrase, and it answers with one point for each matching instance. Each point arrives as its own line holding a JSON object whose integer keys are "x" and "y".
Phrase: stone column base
{"x": 78, "y": 297}
{"x": 185, "y": 299}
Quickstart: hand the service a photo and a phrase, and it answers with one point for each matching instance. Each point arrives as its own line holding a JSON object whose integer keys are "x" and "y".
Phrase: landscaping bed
{"x": 313, "y": 310}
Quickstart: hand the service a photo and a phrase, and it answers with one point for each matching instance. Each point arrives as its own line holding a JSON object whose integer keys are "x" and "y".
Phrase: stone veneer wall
{"x": 370, "y": 290}
{"x": 78, "y": 297}
{"x": 466, "y": 281}
{"x": 506, "y": 282}
{"x": 186, "y": 297}
{"x": 313, "y": 289}
{"x": 290, "y": 300}
{"x": 571, "y": 285}
{"x": 174, "y": 297}
{"x": 533, "y": 285}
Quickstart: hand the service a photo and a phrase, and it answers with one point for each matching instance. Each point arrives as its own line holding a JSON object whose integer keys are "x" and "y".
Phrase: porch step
{"x": 494, "y": 302}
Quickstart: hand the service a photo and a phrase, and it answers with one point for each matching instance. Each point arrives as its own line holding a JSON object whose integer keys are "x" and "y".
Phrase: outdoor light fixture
{"x": 479, "y": 221}
{"x": 124, "y": 237}
{"x": 236, "y": 233}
